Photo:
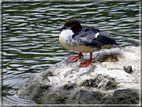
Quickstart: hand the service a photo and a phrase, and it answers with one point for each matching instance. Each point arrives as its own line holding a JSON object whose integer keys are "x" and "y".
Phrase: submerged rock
{"x": 112, "y": 78}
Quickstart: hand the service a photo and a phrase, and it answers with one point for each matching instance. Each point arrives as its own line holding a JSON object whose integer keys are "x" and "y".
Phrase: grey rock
{"x": 112, "y": 78}
{"x": 128, "y": 69}
{"x": 124, "y": 96}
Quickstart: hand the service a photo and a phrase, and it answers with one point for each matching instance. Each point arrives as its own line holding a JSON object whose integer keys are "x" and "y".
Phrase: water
{"x": 30, "y": 40}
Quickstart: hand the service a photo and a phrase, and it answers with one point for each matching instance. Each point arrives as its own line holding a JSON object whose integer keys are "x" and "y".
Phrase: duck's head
{"x": 72, "y": 24}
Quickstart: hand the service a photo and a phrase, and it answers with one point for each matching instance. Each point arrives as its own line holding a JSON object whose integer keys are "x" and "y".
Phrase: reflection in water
{"x": 30, "y": 41}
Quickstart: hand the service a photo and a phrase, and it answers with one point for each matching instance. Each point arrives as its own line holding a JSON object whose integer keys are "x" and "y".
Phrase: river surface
{"x": 30, "y": 39}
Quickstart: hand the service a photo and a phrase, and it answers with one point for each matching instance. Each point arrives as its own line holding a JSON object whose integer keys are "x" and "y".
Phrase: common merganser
{"x": 84, "y": 39}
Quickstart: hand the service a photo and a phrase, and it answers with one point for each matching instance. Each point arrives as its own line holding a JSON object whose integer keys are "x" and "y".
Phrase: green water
{"x": 30, "y": 40}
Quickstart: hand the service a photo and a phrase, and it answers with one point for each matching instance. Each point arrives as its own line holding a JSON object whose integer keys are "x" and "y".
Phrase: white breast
{"x": 64, "y": 36}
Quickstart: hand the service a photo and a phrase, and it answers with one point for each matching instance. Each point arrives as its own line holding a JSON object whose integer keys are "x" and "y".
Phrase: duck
{"x": 84, "y": 39}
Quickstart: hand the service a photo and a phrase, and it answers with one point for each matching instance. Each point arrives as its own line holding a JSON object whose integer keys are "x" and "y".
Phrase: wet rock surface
{"x": 112, "y": 78}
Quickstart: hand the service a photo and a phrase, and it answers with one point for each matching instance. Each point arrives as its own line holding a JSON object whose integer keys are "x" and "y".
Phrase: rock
{"x": 128, "y": 69}
{"x": 112, "y": 78}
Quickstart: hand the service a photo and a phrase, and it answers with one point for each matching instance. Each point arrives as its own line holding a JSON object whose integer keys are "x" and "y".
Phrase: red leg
{"x": 86, "y": 64}
{"x": 75, "y": 58}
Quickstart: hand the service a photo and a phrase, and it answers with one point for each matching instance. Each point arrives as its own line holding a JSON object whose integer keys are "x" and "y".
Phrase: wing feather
{"x": 94, "y": 38}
